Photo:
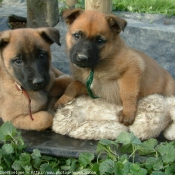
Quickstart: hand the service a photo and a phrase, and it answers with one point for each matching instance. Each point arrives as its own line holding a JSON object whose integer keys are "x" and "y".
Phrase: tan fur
{"x": 123, "y": 75}
{"x": 13, "y": 103}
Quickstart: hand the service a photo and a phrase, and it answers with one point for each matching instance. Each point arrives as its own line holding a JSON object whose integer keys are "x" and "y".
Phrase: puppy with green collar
{"x": 121, "y": 75}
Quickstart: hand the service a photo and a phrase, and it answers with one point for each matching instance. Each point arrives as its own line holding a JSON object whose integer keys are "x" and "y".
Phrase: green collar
{"x": 89, "y": 81}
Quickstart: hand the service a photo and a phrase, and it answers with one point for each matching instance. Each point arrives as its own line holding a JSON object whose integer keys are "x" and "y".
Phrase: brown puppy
{"x": 27, "y": 78}
{"x": 122, "y": 75}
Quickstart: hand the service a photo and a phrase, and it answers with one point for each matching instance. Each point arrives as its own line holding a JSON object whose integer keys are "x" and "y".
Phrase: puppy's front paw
{"x": 58, "y": 105}
{"x": 61, "y": 102}
{"x": 126, "y": 119}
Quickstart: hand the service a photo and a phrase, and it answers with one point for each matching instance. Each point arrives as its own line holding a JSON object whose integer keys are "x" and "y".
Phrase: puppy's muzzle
{"x": 82, "y": 58}
{"x": 38, "y": 82}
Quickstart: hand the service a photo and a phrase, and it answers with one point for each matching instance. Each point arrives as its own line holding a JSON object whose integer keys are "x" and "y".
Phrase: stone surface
{"x": 50, "y": 143}
{"x": 17, "y": 7}
{"x": 3, "y": 23}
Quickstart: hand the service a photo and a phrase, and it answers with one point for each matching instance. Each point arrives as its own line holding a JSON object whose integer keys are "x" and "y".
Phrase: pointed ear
{"x": 4, "y": 38}
{"x": 116, "y": 23}
{"x": 50, "y": 35}
{"x": 70, "y": 15}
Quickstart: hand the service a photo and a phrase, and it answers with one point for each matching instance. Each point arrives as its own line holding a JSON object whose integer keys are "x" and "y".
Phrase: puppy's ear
{"x": 4, "y": 38}
{"x": 116, "y": 23}
{"x": 50, "y": 35}
{"x": 70, "y": 15}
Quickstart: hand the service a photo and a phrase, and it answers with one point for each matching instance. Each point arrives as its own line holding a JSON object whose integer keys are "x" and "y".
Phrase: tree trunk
{"x": 42, "y": 13}
{"x": 104, "y": 6}
{"x": 71, "y": 3}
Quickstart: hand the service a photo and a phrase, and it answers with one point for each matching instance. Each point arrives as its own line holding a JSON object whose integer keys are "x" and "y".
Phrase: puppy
{"x": 27, "y": 79}
{"x": 122, "y": 75}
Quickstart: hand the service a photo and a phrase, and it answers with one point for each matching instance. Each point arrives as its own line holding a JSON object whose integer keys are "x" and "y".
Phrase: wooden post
{"x": 104, "y": 6}
{"x": 42, "y": 13}
{"x": 71, "y": 3}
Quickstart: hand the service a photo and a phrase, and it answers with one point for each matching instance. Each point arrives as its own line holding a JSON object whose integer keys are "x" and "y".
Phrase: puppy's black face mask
{"x": 32, "y": 69}
{"x": 25, "y": 56}
{"x": 85, "y": 52}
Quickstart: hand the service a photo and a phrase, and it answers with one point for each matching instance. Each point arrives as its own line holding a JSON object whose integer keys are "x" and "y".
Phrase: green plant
{"x": 80, "y": 4}
{"x": 136, "y": 157}
{"x": 63, "y": 5}
{"x": 142, "y": 6}
{"x": 127, "y": 155}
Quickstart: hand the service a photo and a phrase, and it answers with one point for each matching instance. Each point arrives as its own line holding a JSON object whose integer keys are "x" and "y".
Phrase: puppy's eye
{"x": 100, "y": 41}
{"x": 42, "y": 55}
{"x": 18, "y": 61}
{"x": 77, "y": 35}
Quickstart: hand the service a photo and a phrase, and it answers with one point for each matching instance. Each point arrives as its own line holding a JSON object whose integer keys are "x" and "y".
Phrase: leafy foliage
{"x": 142, "y": 6}
{"x": 126, "y": 155}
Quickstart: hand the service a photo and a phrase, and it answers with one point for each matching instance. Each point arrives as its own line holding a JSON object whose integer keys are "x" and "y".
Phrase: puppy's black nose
{"x": 81, "y": 57}
{"x": 37, "y": 82}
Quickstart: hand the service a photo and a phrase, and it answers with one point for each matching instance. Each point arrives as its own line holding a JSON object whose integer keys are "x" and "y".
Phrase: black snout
{"x": 82, "y": 57}
{"x": 38, "y": 82}
{"x": 85, "y": 53}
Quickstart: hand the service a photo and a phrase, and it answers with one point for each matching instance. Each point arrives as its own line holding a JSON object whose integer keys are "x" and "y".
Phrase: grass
{"x": 166, "y": 7}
